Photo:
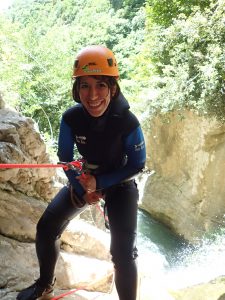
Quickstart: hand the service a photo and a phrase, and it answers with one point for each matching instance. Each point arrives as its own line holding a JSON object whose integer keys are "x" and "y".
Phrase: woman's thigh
{"x": 122, "y": 204}
{"x": 57, "y": 215}
{"x": 62, "y": 207}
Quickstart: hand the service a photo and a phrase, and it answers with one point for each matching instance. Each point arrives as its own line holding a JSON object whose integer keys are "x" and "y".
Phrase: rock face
{"x": 21, "y": 143}
{"x": 186, "y": 190}
{"x": 24, "y": 194}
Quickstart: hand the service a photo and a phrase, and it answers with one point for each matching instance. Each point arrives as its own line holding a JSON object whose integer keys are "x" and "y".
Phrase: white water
{"x": 205, "y": 264}
{"x": 168, "y": 261}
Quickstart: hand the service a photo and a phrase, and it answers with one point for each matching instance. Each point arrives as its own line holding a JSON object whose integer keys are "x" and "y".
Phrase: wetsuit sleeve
{"x": 134, "y": 146}
{"x": 65, "y": 153}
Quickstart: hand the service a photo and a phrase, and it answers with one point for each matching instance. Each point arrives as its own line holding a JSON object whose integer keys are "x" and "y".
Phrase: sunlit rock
{"x": 20, "y": 143}
{"x": 187, "y": 191}
{"x": 19, "y": 268}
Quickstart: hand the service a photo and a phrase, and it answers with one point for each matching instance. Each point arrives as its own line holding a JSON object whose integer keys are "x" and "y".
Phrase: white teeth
{"x": 94, "y": 104}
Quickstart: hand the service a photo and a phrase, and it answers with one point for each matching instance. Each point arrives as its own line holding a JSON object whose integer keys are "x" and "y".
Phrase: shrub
{"x": 189, "y": 59}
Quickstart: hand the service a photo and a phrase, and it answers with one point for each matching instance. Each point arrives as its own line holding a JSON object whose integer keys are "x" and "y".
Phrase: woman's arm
{"x": 66, "y": 152}
{"x": 134, "y": 146}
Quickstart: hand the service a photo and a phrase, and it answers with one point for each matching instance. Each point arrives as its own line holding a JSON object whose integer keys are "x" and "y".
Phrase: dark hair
{"x": 109, "y": 80}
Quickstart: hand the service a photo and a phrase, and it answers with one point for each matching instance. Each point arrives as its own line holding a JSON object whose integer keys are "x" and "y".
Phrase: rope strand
{"x": 29, "y": 166}
{"x": 74, "y": 165}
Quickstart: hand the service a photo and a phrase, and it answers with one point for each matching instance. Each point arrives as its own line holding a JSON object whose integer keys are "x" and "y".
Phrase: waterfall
{"x": 168, "y": 261}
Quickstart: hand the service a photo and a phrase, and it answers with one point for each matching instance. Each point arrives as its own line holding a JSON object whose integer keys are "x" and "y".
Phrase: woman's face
{"x": 94, "y": 94}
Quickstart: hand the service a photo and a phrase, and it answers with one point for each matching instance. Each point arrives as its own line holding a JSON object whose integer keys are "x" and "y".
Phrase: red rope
{"x": 25, "y": 166}
{"x": 102, "y": 212}
{"x": 66, "y": 166}
{"x": 66, "y": 294}
{"x": 69, "y": 293}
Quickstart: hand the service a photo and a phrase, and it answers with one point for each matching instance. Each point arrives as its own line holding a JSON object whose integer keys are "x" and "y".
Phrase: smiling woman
{"x": 105, "y": 133}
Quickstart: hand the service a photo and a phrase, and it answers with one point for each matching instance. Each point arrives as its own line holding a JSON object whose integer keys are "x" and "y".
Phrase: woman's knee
{"x": 124, "y": 258}
{"x": 49, "y": 227}
{"x": 123, "y": 248}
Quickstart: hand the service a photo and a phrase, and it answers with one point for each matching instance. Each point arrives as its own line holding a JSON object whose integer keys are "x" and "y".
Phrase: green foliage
{"x": 126, "y": 38}
{"x": 130, "y": 6}
{"x": 49, "y": 35}
{"x": 11, "y": 60}
{"x": 189, "y": 63}
{"x": 172, "y": 59}
{"x": 163, "y": 12}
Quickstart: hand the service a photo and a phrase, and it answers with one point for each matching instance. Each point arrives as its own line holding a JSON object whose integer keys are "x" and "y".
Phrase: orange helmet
{"x": 95, "y": 60}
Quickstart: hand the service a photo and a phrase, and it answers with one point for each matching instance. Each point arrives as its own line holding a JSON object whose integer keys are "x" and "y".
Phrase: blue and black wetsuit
{"x": 115, "y": 145}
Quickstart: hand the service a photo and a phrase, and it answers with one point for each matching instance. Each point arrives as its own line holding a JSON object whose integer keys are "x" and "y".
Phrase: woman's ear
{"x": 113, "y": 90}
{"x": 75, "y": 92}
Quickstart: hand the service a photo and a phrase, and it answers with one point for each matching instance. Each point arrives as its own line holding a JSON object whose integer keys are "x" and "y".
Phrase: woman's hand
{"x": 88, "y": 182}
{"x": 92, "y": 198}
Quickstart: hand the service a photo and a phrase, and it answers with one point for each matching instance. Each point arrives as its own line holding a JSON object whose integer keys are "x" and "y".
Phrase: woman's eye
{"x": 83, "y": 86}
{"x": 102, "y": 85}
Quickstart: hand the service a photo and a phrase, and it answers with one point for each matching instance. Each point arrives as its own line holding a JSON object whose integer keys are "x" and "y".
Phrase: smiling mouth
{"x": 95, "y": 104}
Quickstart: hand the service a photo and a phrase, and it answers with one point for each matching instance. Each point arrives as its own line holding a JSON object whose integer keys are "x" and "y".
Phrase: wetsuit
{"x": 113, "y": 143}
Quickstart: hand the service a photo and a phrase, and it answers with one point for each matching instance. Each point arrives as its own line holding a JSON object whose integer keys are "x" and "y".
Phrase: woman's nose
{"x": 93, "y": 93}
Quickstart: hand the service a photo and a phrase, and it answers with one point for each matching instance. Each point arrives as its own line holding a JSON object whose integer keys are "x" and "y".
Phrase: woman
{"x": 110, "y": 140}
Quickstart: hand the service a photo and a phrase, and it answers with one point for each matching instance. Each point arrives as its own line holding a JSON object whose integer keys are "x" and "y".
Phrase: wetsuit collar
{"x": 119, "y": 105}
